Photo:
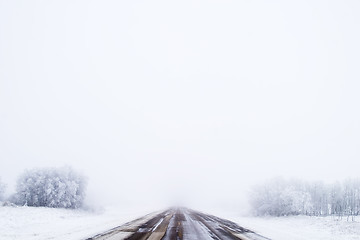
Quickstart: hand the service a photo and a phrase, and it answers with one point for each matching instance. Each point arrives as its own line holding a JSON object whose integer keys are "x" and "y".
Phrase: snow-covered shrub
{"x": 57, "y": 188}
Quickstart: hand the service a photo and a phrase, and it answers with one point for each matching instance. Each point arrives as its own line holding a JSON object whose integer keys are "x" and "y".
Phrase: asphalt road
{"x": 179, "y": 224}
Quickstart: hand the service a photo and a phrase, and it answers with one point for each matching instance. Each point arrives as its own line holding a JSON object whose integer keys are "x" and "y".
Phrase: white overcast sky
{"x": 168, "y": 98}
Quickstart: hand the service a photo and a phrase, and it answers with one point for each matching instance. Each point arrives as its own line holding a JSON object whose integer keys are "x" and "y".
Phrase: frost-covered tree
{"x": 351, "y": 198}
{"x": 336, "y": 199}
{"x": 57, "y": 188}
{"x": 319, "y": 193}
{"x": 279, "y": 198}
{"x": 2, "y": 190}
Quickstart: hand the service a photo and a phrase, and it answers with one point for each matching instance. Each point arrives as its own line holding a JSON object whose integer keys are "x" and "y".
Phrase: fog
{"x": 179, "y": 102}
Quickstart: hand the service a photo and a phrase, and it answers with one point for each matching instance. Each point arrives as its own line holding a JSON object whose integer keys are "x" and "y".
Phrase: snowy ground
{"x": 29, "y": 223}
{"x": 300, "y": 227}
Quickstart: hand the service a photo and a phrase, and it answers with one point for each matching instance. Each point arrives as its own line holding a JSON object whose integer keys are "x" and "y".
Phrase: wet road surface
{"x": 179, "y": 224}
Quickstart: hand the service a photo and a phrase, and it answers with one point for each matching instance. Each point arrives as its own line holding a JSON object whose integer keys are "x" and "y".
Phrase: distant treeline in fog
{"x": 279, "y": 197}
{"x": 49, "y": 187}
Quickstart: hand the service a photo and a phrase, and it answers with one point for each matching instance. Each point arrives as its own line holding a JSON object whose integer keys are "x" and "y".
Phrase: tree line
{"x": 48, "y": 187}
{"x": 280, "y": 197}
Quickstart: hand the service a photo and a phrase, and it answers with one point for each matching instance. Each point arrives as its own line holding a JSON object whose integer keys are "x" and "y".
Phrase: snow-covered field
{"x": 301, "y": 227}
{"x": 30, "y": 223}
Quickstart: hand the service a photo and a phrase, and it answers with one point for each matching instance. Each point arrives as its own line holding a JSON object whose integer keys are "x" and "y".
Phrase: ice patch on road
{"x": 156, "y": 225}
{"x": 196, "y": 230}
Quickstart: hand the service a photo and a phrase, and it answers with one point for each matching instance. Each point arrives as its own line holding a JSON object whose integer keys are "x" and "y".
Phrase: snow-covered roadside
{"x": 300, "y": 227}
{"x": 30, "y": 223}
